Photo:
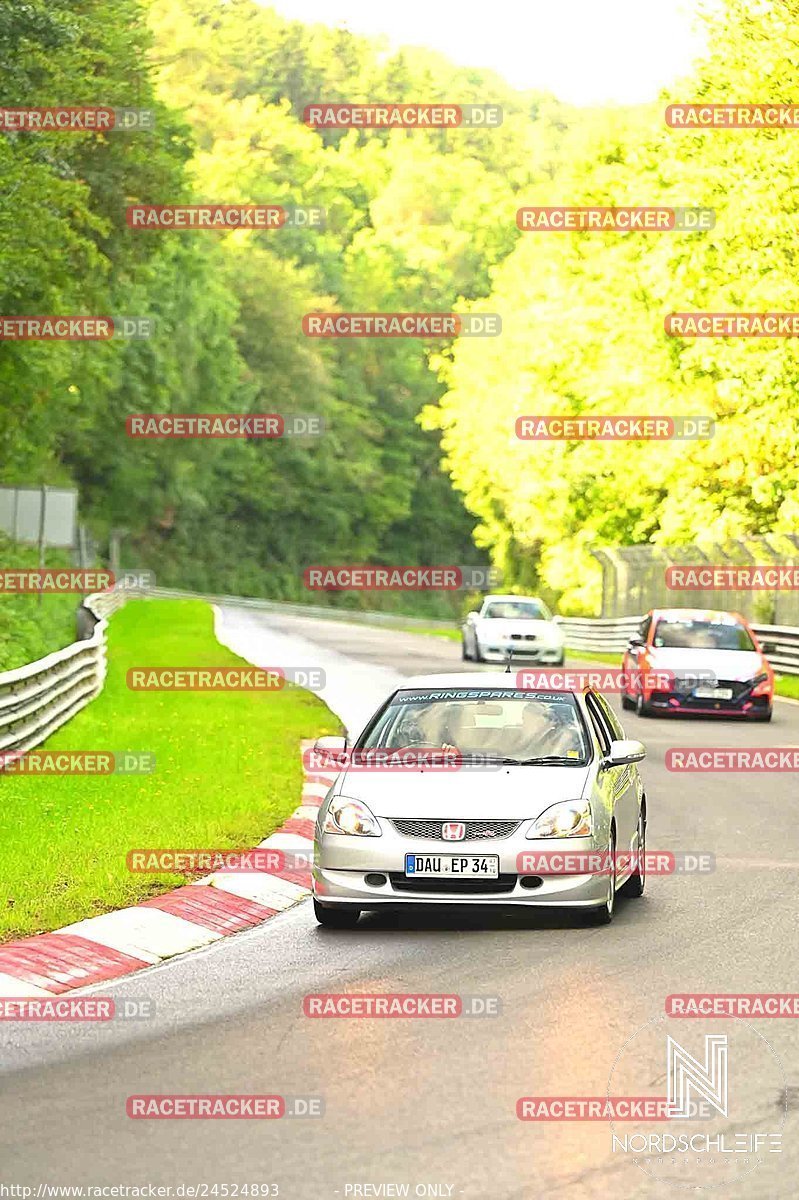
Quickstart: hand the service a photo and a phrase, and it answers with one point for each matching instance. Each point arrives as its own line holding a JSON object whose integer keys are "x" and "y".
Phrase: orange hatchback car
{"x": 697, "y": 661}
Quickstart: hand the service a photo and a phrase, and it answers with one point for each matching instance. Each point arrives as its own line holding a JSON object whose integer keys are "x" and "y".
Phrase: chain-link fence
{"x": 634, "y": 578}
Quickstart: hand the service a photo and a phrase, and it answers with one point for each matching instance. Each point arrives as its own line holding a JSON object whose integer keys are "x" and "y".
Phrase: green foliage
{"x": 416, "y": 221}
{"x": 585, "y": 335}
{"x": 33, "y": 626}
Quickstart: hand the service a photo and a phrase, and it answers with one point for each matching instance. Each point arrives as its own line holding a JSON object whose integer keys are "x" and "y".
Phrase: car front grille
{"x": 454, "y": 887}
{"x": 523, "y": 637}
{"x": 684, "y": 691}
{"x": 475, "y": 830}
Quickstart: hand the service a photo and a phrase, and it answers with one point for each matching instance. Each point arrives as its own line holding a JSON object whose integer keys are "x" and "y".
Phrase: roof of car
{"x": 700, "y": 614}
{"x": 466, "y": 679}
{"x": 508, "y": 596}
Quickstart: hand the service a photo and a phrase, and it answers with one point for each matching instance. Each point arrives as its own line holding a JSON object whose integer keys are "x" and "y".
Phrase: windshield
{"x": 702, "y": 635}
{"x": 518, "y": 610}
{"x": 487, "y": 722}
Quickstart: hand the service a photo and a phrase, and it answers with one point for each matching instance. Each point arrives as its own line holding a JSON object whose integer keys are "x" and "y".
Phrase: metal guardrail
{"x": 785, "y": 640}
{"x": 608, "y": 635}
{"x": 37, "y": 699}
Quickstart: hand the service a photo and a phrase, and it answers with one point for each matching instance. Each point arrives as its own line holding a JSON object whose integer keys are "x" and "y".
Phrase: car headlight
{"x": 760, "y": 685}
{"x": 570, "y": 818}
{"x": 351, "y": 817}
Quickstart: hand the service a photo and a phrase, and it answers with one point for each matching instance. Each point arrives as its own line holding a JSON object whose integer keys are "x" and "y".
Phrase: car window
{"x": 610, "y": 717}
{"x": 687, "y": 633}
{"x": 497, "y": 722}
{"x": 517, "y": 610}
{"x": 601, "y": 729}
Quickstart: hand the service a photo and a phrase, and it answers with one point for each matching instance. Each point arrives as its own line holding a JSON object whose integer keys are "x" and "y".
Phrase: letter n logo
{"x": 686, "y": 1074}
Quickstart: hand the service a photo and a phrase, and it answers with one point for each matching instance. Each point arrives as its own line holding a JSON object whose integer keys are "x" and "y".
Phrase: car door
{"x": 623, "y": 780}
{"x": 636, "y": 648}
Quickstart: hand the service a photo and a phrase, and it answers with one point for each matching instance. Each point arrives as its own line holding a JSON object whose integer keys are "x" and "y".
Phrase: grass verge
{"x": 227, "y": 773}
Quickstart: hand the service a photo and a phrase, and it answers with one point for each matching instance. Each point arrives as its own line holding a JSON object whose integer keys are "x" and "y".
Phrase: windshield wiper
{"x": 546, "y": 760}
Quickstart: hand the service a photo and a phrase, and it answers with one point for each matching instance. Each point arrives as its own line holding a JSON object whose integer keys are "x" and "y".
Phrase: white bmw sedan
{"x": 522, "y": 624}
{"x": 465, "y": 789}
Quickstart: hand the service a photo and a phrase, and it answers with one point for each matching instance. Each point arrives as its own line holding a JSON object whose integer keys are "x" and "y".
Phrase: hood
{"x": 723, "y": 664}
{"x": 463, "y": 794}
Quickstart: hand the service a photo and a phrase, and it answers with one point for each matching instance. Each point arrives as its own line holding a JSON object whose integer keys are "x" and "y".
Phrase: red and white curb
{"x": 121, "y": 942}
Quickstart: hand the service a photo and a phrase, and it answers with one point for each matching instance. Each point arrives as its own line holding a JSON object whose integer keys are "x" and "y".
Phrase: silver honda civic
{"x": 465, "y": 789}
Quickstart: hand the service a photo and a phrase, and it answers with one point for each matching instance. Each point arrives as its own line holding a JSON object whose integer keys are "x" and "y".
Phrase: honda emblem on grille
{"x": 453, "y": 831}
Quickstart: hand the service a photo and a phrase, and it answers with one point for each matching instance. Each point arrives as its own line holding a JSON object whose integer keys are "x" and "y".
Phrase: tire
{"x": 627, "y": 702}
{"x": 336, "y": 918}
{"x": 561, "y": 660}
{"x": 761, "y": 720}
{"x": 642, "y": 709}
{"x": 603, "y": 914}
{"x": 466, "y": 657}
{"x": 634, "y": 886}
{"x": 477, "y": 655}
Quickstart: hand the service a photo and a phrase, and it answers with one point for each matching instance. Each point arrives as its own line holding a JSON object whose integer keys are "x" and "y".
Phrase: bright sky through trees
{"x": 584, "y": 51}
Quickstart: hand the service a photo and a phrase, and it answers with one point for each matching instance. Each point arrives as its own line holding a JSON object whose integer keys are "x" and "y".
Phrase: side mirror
{"x": 472, "y": 616}
{"x": 768, "y": 647}
{"x": 330, "y": 753}
{"x": 622, "y": 753}
{"x": 636, "y": 641}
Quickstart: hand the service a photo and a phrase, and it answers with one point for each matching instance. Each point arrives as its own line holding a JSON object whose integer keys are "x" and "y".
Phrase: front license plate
{"x": 711, "y": 693}
{"x": 483, "y": 866}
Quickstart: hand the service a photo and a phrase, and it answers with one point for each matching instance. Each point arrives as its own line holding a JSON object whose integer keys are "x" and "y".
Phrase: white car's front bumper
{"x": 522, "y": 652}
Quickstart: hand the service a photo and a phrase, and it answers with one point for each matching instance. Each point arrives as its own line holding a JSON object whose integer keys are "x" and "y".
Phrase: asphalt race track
{"x": 431, "y": 1101}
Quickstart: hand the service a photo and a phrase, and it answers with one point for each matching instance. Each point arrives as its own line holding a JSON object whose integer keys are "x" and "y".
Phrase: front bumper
{"x": 342, "y": 864}
{"x": 522, "y": 652}
{"x": 742, "y": 704}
